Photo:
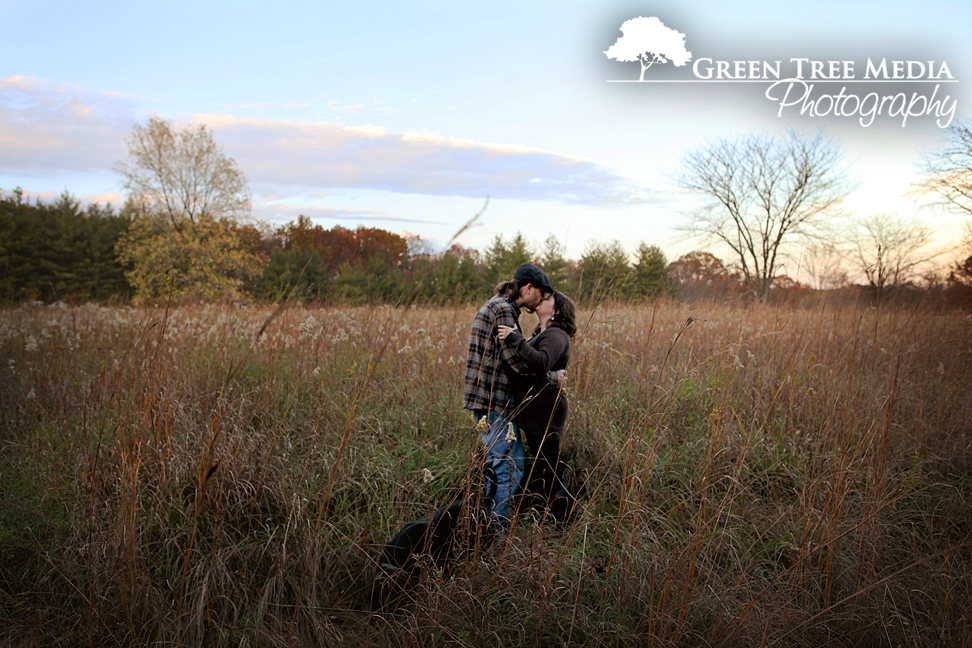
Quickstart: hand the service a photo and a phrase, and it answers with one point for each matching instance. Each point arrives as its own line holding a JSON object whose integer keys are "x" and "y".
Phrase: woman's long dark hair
{"x": 564, "y": 314}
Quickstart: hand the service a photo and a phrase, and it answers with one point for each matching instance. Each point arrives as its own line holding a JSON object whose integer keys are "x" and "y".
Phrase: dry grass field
{"x": 226, "y": 476}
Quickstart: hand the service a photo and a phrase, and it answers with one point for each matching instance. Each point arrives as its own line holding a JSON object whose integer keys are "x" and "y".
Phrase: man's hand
{"x": 503, "y": 331}
{"x": 561, "y": 378}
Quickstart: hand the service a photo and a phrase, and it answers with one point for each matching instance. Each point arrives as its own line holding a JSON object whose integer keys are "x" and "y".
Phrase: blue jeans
{"x": 505, "y": 457}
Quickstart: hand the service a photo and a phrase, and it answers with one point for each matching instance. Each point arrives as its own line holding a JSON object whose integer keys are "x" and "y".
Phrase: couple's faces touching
{"x": 545, "y": 309}
{"x": 531, "y": 297}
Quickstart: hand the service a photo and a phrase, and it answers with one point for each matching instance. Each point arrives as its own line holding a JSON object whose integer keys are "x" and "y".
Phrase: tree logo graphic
{"x": 649, "y": 41}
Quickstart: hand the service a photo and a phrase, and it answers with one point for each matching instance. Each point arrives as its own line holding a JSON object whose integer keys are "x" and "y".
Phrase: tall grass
{"x": 747, "y": 477}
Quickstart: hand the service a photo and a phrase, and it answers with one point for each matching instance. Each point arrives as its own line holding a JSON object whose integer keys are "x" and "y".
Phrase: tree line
{"x": 61, "y": 251}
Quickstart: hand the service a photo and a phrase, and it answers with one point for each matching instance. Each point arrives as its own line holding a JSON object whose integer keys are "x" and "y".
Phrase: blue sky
{"x": 405, "y": 116}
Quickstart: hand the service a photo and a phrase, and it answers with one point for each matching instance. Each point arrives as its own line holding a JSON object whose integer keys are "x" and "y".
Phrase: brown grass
{"x": 748, "y": 477}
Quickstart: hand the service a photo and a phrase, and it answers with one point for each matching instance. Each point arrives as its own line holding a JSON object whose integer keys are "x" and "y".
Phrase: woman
{"x": 541, "y": 409}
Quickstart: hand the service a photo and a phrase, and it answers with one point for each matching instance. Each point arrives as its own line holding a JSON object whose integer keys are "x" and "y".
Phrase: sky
{"x": 406, "y": 116}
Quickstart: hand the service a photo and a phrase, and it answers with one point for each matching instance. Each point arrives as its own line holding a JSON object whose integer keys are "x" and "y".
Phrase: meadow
{"x": 225, "y": 476}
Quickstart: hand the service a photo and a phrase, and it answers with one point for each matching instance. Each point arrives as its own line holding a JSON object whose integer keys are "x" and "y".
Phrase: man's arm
{"x": 506, "y": 317}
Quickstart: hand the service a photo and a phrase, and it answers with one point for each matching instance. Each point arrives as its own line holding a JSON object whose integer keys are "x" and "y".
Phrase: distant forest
{"x": 59, "y": 251}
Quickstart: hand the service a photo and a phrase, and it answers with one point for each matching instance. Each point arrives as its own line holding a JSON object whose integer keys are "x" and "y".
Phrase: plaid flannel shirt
{"x": 487, "y": 384}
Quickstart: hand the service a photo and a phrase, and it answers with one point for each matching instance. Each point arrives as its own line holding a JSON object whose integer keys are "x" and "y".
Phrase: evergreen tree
{"x": 59, "y": 251}
{"x": 452, "y": 278}
{"x": 369, "y": 281}
{"x": 502, "y": 258}
{"x": 562, "y": 272}
{"x": 650, "y": 274}
{"x": 605, "y": 272}
{"x": 295, "y": 272}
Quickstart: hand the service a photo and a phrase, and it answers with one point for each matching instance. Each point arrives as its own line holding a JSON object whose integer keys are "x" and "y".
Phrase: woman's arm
{"x": 550, "y": 346}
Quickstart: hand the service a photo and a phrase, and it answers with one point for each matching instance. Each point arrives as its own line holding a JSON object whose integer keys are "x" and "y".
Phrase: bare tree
{"x": 760, "y": 193}
{"x": 182, "y": 174}
{"x": 416, "y": 245}
{"x": 889, "y": 251}
{"x": 823, "y": 265}
{"x": 948, "y": 172}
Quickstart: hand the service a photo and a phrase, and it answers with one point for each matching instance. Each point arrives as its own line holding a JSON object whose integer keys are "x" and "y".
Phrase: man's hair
{"x": 565, "y": 314}
{"x": 510, "y": 289}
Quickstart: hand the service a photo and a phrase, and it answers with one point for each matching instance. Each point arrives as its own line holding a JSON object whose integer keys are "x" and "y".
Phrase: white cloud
{"x": 318, "y": 155}
{"x": 113, "y": 197}
{"x": 21, "y": 82}
{"x": 43, "y": 196}
{"x": 336, "y": 106}
{"x": 47, "y": 131}
{"x": 270, "y": 105}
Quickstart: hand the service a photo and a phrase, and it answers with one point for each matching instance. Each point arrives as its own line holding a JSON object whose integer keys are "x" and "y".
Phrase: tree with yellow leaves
{"x": 188, "y": 199}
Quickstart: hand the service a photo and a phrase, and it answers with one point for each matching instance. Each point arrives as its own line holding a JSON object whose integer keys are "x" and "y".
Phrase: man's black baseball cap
{"x": 530, "y": 273}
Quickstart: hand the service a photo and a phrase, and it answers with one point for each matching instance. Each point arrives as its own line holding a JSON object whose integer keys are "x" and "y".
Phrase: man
{"x": 488, "y": 392}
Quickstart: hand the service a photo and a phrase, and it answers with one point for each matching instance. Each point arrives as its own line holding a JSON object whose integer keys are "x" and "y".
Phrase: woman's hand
{"x": 503, "y": 331}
